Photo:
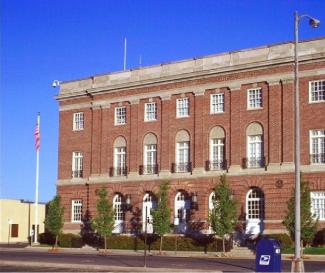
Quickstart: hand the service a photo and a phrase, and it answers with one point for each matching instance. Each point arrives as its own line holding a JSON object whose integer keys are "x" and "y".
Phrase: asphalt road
{"x": 116, "y": 261}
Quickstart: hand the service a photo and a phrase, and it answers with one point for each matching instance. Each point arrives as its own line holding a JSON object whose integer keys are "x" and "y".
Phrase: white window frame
{"x": 120, "y": 160}
{"x": 254, "y": 98}
{"x": 217, "y": 103}
{"x": 321, "y": 89}
{"x": 76, "y": 211}
{"x": 317, "y": 145}
{"x": 217, "y": 149}
{"x": 120, "y": 115}
{"x": 118, "y": 208}
{"x": 78, "y": 121}
{"x": 77, "y": 164}
{"x": 182, "y": 155}
{"x": 150, "y": 111}
{"x": 150, "y": 158}
{"x": 149, "y": 203}
{"x": 255, "y": 149}
{"x": 183, "y": 107}
{"x": 255, "y": 204}
{"x": 318, "y": 204}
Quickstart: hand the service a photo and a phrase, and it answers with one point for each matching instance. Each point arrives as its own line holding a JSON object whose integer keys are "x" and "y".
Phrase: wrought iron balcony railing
{"x": 216, "y": 165}
{"x": 253, "y": 162}
{"x": 182, "y": 167}
{"x": 77, "y": 174}
{"x": 118, "y": 171}
{"x": 317, "y": 158}
{"x": 148, "y": 169}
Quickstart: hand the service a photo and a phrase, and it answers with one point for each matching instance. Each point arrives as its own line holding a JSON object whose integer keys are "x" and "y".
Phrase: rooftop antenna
{"x": 125, "y": 53}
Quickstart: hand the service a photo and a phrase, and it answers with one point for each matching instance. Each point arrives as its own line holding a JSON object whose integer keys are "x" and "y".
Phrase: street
{"x": 23, "y": 260}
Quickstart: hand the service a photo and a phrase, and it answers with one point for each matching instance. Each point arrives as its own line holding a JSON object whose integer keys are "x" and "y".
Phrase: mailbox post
{"x": 268, "y": 256}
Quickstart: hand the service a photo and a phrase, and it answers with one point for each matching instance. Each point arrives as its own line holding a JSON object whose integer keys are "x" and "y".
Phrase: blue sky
{"x": 43, "y": 40}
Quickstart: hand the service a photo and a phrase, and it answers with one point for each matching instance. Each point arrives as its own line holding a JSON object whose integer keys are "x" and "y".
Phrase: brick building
{"x": 188, "y": 122}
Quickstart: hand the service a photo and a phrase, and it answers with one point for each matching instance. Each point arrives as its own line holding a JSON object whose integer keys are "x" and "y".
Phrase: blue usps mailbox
{"x": 268, "y": 256}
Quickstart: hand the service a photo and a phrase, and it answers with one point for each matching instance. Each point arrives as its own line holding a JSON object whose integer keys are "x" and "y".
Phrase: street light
{"x": 297, "y": 263}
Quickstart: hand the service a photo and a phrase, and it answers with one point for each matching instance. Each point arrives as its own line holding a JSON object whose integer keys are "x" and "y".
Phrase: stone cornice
{"x": 197, "y": 173}
{"x": 243, "y": 60}
{"x": 232, "y": 85}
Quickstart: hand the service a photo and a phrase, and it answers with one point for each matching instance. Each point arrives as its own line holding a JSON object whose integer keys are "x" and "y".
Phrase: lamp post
{"x": 128, "y": 207}
{"x": 297, "y": 264}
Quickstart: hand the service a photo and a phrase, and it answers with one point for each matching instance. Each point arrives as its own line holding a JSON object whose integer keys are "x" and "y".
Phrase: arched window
{"x": 217, "y": 149}
{"x": 254, "y": 211}
{"x": 255, "y": 150}
{"x": 182, "y": 152}
{"x": 150, "y": 154}
{"x": 120, "y": 168}
{"x": 182, "y": 211}
{"x": 212, "y": 198}
{"x": 149, "y": 203}
{"x": 119, "y": 213}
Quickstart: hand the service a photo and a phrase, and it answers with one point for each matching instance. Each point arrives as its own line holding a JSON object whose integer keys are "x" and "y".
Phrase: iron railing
{"x": 253, "y": 162}
{"x": 317, "y": 158}
{"x": 118, "y": 171}
{"x": 148, "y": 169}
{"x": 216, "y": 165}
{"x": 182, "y": 167}
{"x": 77, "y": 174}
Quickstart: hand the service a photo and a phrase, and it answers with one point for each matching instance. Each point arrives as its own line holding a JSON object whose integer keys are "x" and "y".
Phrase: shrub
{"x": 319, "y": 239}
{"x": 70, "y": 240}
{"x": 283, "y": 238}
{"x": 46, "y": 238}
{"x": 202, "y": 243}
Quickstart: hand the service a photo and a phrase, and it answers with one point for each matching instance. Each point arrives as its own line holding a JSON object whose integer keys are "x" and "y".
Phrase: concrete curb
{"x": 93, "y": 267}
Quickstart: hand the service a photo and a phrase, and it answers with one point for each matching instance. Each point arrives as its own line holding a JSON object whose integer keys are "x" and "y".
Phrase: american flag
{"x": 37, "y": 137}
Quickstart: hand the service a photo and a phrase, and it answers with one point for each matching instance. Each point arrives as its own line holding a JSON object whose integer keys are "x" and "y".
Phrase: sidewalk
{"x": 194, "y": 254}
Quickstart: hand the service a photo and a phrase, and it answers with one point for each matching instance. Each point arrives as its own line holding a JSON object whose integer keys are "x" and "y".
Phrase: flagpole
{"x": 36, "y": 184}
{"x": 124, "y": 61}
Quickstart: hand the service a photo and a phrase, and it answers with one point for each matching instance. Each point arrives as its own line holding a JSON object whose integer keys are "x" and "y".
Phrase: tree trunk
{"x": 105, "y": 243}
{"x": 161, "y": 242}
{"x": 56, "y": 241}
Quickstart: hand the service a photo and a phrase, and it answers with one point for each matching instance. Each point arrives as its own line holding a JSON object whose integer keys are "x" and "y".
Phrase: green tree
{"x": 161, "y": 215}
{"x": 54, "y": 218}
{"x": 103, "y": 223}
{"x": 223, "y": 216}
{"x": 308, "y": 223}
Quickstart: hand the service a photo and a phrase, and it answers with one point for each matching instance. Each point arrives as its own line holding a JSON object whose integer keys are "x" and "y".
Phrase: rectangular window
{"x": 150, "y": 111}
{"x": 120, "y": 115}
{"x": 120, "y": 161}
{"x": 150, "y": 159}
{"x": 318, "y": 204}
{"x": 78, "y": 121}
{"x": 182, "y": 156}
{"x": 76, "y": 215}
{"x": 14, "y": 230}
{"x": 317, "y": 146}
{"x": 254, "y": 151}
{"x": 217, "y": 154}
{"x": 217, "y": 104}
{"x": 77, "y": 165}
{"x": 317, "y": 91}
{"x": 254, "y": 98}
{"x": 182, "y": 107}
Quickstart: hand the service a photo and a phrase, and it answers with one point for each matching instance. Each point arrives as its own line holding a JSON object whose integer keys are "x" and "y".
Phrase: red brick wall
{"x": 276, "y": 117}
